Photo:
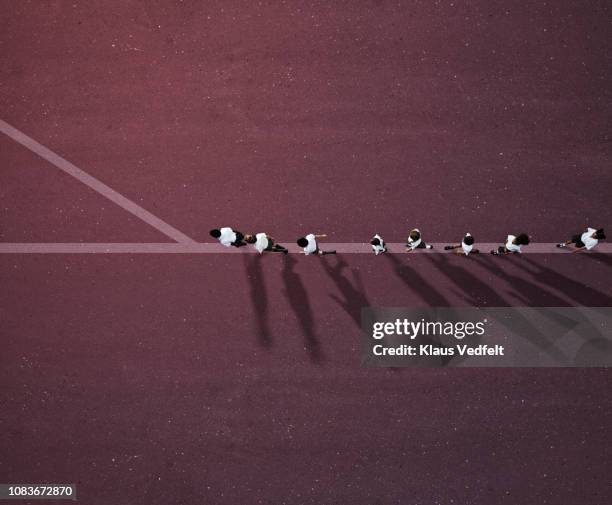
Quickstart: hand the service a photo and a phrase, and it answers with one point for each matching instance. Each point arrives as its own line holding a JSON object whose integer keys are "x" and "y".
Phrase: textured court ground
{"x": 229, "y": 378}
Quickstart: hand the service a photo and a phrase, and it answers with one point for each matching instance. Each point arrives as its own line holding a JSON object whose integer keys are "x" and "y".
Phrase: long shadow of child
{"x": 259, "y": 297}
{"x": 353, "y": 293}
{"x": 300, "y": 303}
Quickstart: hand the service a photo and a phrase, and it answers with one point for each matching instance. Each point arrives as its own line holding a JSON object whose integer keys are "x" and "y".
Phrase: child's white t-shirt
{"x": 588, "y": 241}
{"x": 312, "y": 244}
{"x": 261, "y": 243}
{"x": 467, "y": 249}
{"x": 380, "y": 247}
{"x": 512, "y": 247}
{"x": 227, "y": 236}
{"x": 414, "y": 244}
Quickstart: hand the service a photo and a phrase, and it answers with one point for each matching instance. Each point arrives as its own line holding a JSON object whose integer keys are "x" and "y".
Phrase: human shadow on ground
{"x": 606, "y": 259}
{"x": 479, "y": 293}
{"x": 300, "y": 303}
{"x": 259, "y": 297}
{"x": 424, "y": 290}
{"x": 416, "y": 282}
{"x": 529, "y": 293}
{"x": 575, "y": 290}
{"x": 537, "y": 295}
{"x": 353, "y": 292}
{"x": 594, "y": 352}
{"x": 572, "y": 288}
{"x": 474, "y": 291}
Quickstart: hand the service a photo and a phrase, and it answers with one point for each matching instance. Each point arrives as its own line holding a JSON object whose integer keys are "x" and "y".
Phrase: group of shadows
{"x": 536, "y": 289}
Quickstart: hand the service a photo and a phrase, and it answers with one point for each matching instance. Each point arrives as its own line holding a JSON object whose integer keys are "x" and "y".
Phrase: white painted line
{"x": 215, "y": 248}
{"x": 93, "y": 183}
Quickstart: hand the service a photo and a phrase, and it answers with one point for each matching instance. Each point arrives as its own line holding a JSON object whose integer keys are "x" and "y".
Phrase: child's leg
{"x": 323, "y": 253}
{"x": 450, "y": 247}
{"x": 576, "y": 240}
{"x": 239, "y": 242}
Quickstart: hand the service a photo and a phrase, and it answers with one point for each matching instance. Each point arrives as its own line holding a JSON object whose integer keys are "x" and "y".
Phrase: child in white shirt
{"x": 466, "y": 247}
{"x": 416, "y": 242}
{"x": 310, "y": 246}
{"x": 228, "y": 237}
{"x": 263, "y": 242}
{"x": 513, "y": 245}
{"x": 378, "y": 244}
{"x": 585, "y": 241}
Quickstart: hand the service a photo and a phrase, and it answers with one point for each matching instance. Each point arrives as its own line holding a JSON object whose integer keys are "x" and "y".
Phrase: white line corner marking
{"x": 95, "y": 184}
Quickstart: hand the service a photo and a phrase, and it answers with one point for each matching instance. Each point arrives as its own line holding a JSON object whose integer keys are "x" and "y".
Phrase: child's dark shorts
{"x": 577, "y": 240}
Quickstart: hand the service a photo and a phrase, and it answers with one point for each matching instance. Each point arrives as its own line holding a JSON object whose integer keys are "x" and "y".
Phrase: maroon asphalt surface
{"x": 234, "y": 379}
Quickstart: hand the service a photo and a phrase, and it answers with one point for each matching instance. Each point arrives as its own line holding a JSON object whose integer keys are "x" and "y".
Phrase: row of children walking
{"x": 583, "y": 241}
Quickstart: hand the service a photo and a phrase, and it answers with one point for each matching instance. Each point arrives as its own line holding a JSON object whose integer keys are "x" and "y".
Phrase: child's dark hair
{"x": 600, "y": 235}
{"x": 302, "y": 242}
{"x": 522, "y": 239}
{"x": 250, "y": 239}
{"x": 375, "y": 241}
{"x": 468, "y": 240}
{"x": 415, "y": 235}
{"x": 215, "y": 233}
